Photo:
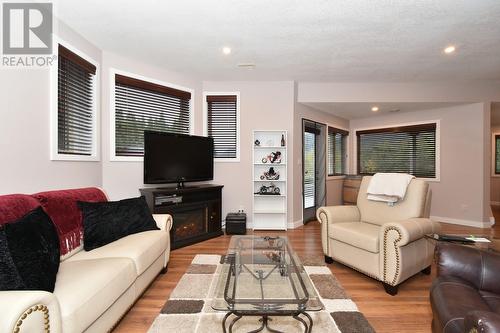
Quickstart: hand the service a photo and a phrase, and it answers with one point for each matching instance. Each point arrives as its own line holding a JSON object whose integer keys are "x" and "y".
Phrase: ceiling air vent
{"x": 247, "y": 65}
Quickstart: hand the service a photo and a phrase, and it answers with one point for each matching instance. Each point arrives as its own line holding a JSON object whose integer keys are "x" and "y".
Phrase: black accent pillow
{"x": 29, "y": 253}
{"x": 106, "y": 222}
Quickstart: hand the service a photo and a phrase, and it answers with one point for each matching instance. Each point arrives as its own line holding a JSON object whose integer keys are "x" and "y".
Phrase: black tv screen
{"x": 177, "y": 158}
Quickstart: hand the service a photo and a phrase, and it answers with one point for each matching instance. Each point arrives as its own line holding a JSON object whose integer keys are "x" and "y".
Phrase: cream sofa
{"x": 384, "y": 242}
{"x": 93, "y": 289}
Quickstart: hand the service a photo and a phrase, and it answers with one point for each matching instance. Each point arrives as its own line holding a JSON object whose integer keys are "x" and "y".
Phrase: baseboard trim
{"x": 468, "y": 223}
{"x": 294, "y": 224}
{"x": 495, "y": 203}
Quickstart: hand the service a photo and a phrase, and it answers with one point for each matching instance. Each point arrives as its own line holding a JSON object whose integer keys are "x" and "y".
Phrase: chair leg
{"x": 328, "y": 260}
{"x": 427, "y": 270}
{"x": 164, "y": 270}
{"x": 391, "y": 290}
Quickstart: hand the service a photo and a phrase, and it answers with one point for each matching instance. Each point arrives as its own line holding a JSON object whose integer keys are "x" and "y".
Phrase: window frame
{"x": 347, "y": 141}
{"x": 112, "y": 123}
{"x": 238, "y": 129}
{"x": 385, "y": 126}
{"x": 54, "y": 107}
{"x": 494, "y": 154}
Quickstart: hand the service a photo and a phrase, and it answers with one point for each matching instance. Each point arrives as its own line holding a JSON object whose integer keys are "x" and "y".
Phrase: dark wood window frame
{"x": 332, "y": 153}
{"x": 497, "y": 156}
{"x": 419, "y": 128}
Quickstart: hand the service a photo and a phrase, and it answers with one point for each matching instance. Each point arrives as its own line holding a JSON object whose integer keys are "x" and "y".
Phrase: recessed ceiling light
{"x": 226, "y": 50}
{"x": 449, "y": 49}
{"x": 374, "y": 108}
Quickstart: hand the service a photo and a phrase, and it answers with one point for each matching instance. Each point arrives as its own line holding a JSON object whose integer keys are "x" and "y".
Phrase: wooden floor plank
{"x": 409, "y": 311}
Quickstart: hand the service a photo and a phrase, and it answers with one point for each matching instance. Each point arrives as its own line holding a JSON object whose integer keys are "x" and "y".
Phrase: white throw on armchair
{"x": 384, "y": 242}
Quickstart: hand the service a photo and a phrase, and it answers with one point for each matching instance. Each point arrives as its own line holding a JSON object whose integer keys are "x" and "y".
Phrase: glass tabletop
{"x": 263, "y": 275}
{"x": 492, "y": 245}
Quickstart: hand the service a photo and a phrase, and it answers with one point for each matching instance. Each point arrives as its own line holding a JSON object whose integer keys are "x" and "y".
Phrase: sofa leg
{"x": 427, "y": 270}
{"x": 164, "y": 270}
{"x": 391, "y": 290}
{"x": 328, "y": 260}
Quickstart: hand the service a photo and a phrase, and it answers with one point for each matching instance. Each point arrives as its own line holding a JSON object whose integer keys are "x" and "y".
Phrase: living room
{"x": 321, "y": 93}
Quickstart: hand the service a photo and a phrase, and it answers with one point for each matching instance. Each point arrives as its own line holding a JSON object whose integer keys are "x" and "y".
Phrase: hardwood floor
{"x": 409, "y": 311}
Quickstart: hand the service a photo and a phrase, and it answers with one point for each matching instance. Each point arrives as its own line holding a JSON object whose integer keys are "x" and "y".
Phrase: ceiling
{"x": 320, "y": 40}
{"x": 363, "y": 110}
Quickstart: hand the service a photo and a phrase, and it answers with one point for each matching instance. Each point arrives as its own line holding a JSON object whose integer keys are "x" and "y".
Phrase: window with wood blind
{"x": 337, "y": 151}
{"x": 76, "y": 107}
{"x": 222, "y": 125}
{"x": 141, "y": 105}
{"x": 406, "y": 149}
{"x": 497, "y": 154}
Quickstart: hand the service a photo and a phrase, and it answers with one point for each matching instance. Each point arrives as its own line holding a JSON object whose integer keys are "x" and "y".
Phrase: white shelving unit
{"x": 269, "y": 211}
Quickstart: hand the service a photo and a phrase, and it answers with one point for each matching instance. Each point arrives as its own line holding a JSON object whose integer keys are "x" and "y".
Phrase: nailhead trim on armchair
{"x": 386, "y": 232}
{"x": 34, "y": 308}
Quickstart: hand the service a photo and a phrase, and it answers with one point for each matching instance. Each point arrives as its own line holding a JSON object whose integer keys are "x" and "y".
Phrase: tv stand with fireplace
{"x": 196, "y": 211}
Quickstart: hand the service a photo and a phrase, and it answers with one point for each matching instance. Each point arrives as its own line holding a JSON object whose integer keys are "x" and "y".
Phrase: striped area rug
{"x": 189, "y": 309}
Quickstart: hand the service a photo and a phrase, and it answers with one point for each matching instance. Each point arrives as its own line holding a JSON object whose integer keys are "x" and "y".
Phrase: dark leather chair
{"x": 465, "y": 296}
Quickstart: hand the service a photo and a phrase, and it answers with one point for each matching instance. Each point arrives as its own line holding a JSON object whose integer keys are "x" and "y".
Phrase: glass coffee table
{"x": 263, "y": 277}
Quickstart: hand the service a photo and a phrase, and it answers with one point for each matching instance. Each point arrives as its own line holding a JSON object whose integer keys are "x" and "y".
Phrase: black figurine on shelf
{"x": 283, "y": 140}
{"x": 257, "y": 143}
{"x": 270, "y": 175}
{"x": 268, "y": 190}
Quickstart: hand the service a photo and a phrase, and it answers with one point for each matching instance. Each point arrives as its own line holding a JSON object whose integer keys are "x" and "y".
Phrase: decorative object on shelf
{"x": 257, "y": 143}
{"x": 274, "y": 157}
{"x": 270, "y": 175}
{"x": 268, "y": 190}
{"x": 283, "y": 143}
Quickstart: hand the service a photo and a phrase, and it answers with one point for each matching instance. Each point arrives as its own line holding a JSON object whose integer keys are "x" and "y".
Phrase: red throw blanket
{"x": 15, "y": 206}
{"x": 62, "y": 208}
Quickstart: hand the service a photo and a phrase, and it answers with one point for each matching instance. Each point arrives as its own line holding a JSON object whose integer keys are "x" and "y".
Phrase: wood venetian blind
{"x": 408, "y": 149}
{"x": 142, "y": 105}
{"x": 337, "y": 151}
{"x": 75, "y": 104}
{"x": 222, "y": 124}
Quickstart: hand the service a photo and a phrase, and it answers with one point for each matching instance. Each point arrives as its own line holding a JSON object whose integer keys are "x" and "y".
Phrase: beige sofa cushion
{"x": 359, "y": 234}
{"x": 86, "y": 289}
{"x": 143, "y": 248}
{"x": 413, "y": 205}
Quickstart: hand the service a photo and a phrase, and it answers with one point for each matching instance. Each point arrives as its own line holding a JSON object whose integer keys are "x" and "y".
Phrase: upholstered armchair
{"x": 384, "y": 242}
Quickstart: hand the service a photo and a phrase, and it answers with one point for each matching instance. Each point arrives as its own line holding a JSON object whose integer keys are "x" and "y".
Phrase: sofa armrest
{"x": 163, "y": 221}
{"x": 404, "y": 232}
{"x": 335, "y": 214}
{"x": 482, "y": 321}
{"x": 29, "y": 311}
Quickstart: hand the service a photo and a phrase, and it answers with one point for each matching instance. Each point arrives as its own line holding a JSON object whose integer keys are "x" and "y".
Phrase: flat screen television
{"x": 177, "y": 158}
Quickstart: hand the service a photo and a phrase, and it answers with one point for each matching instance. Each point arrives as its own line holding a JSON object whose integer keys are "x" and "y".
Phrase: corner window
{"x": 142, "y": 105}
{"x": 76, "y": 108}
{"x": 407, "y": 149}
{"x": 337, "y": 151}
{"x": 222, "y": 125}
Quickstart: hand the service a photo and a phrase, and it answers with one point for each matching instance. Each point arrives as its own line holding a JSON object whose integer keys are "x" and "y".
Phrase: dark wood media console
{"x": 196, "y": 211}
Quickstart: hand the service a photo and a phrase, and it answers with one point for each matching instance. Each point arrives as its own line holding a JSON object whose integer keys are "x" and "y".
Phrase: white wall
{"x": 25, "y": 166}
{"x": 124, "y": 179}
{"x": 263, "y": 106}
{"x": 459, "y": 195}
